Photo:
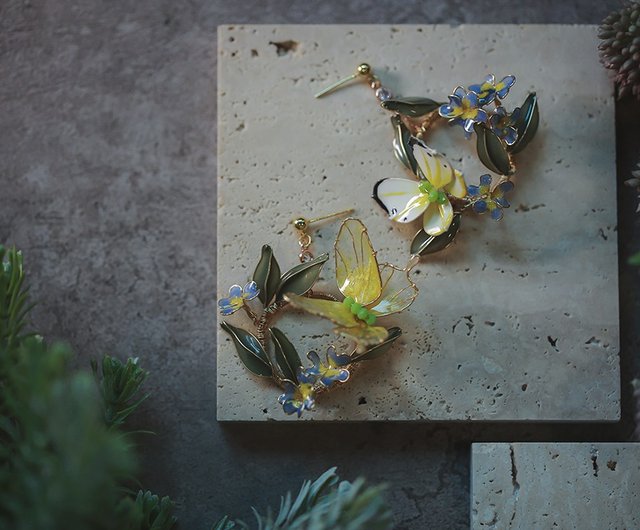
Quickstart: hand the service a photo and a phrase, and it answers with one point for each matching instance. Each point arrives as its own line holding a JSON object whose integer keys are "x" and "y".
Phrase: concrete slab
{"x": 517, "y": 320}
{"x": 555, "y": 485}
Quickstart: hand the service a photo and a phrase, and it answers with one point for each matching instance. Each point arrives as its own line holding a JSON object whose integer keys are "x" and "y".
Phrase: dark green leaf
{"x": 635, "y": 259}
{"x": 491, "y": 151}
{"x": 267, "y": 275}
{"x": 401, "y": 147}
{"x": 286, "y": 355}
{"x": 527, "y": 124}
{"x": 412, "y": 106}
{"x": 249, "y": 350}
{"x": 302, "y": 277}
{"x": 379, "y": 349}
{"x": 424, "y": 244}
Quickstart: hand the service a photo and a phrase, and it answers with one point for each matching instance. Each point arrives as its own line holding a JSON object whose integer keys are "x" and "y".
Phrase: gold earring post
{"x": 363, "y": 70}
{"x": 301, "y": 223}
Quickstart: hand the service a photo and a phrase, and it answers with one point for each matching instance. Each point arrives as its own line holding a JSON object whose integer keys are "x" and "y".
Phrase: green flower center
{"x": 432, "y": 194}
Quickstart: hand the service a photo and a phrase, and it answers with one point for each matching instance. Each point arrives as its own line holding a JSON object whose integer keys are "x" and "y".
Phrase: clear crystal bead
{"x": 383, "y": 94}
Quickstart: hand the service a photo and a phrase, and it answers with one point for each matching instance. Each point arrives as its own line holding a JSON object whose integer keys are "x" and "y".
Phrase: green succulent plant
{"x": 619, "y": 48}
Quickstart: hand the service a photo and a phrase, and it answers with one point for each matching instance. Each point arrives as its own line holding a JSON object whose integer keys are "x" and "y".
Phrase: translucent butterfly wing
{"x": 398, "y": 291}
{"x": 365, "y": 336}
{"x": 357, "y": 271}
{"x": 401, "y": 198}
{"x": 337, "y": 312}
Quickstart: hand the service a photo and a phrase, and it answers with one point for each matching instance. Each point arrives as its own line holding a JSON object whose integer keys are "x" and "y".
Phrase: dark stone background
{"x": 107, "y": 182}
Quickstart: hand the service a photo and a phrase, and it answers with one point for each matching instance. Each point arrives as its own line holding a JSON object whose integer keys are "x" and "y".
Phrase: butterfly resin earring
{"x": 440, "y": 195}
{"x": 370, "y": 291}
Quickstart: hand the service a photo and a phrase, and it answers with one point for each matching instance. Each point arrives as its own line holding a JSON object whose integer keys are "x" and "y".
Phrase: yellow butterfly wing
{"x": 337, "y": 312}
{"x": 348, "y": 325}
{"x": 365, "y": 336}
{"x": 398, "y": 291}
{"x": 357, "y": 270}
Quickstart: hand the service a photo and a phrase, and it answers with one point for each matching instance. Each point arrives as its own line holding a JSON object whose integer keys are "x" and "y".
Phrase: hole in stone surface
{"x": 611, "y": 464}
{"x": 594, "y": 461}
{"x": 285, "y": 46}
{"x": 362, "y": 400}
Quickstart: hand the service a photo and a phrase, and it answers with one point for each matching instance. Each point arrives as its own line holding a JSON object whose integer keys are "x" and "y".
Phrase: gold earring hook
{"x": 301, "y": 224}
{"x": 363, "y": 70}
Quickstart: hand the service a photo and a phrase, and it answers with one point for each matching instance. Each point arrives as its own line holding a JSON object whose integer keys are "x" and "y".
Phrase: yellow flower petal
{"x": 437, "y": 218}
{"x": 457, "y": 187}
{"x": 401, "y": 198}
{"x": 433, "y": 166}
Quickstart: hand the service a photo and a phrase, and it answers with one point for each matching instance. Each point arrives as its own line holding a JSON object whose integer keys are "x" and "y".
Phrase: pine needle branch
{"x": 325, "y": 504}
{"x": 14, "y": 307}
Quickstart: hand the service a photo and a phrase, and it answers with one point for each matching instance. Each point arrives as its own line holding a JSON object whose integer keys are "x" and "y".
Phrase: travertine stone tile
{"x": 517, "y": 320}
{"x": 555, "y": 485}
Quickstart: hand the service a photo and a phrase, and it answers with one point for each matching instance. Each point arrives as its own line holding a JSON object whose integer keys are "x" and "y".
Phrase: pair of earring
{"x": 370, "y": 291}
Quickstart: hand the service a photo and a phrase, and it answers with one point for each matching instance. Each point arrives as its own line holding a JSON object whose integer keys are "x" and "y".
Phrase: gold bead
{"x": 300, "y": 223}
{"x": 364, "y": 69}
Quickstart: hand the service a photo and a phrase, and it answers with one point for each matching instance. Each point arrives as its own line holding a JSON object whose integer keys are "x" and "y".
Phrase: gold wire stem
{"x": 265, "y": 318}
{"x": 251, "y": 314}
{"x": 271, "y": 311}
{"x": 322, "y": 296}
{"x": 420, "y": 129}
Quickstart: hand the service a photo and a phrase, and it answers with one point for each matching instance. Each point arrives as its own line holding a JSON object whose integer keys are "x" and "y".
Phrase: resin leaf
{"x": 424, "y": 244}
{"x": 401, "y": 146}
{"x": 491, "y": 151}
{"x": 267, "y": 275}
{"x": 286, "y": 355}
{"x": 527, "y": 123}
{"x": 249, "y": 350}
{"x": 380, "y": 349}
{"x": 411, "y": 106}
{"x": 302, "y": 277}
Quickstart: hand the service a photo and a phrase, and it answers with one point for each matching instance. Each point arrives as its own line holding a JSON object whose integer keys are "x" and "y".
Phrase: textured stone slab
{"x": 555, "y": 485}
{"x": 517, "y": 320}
